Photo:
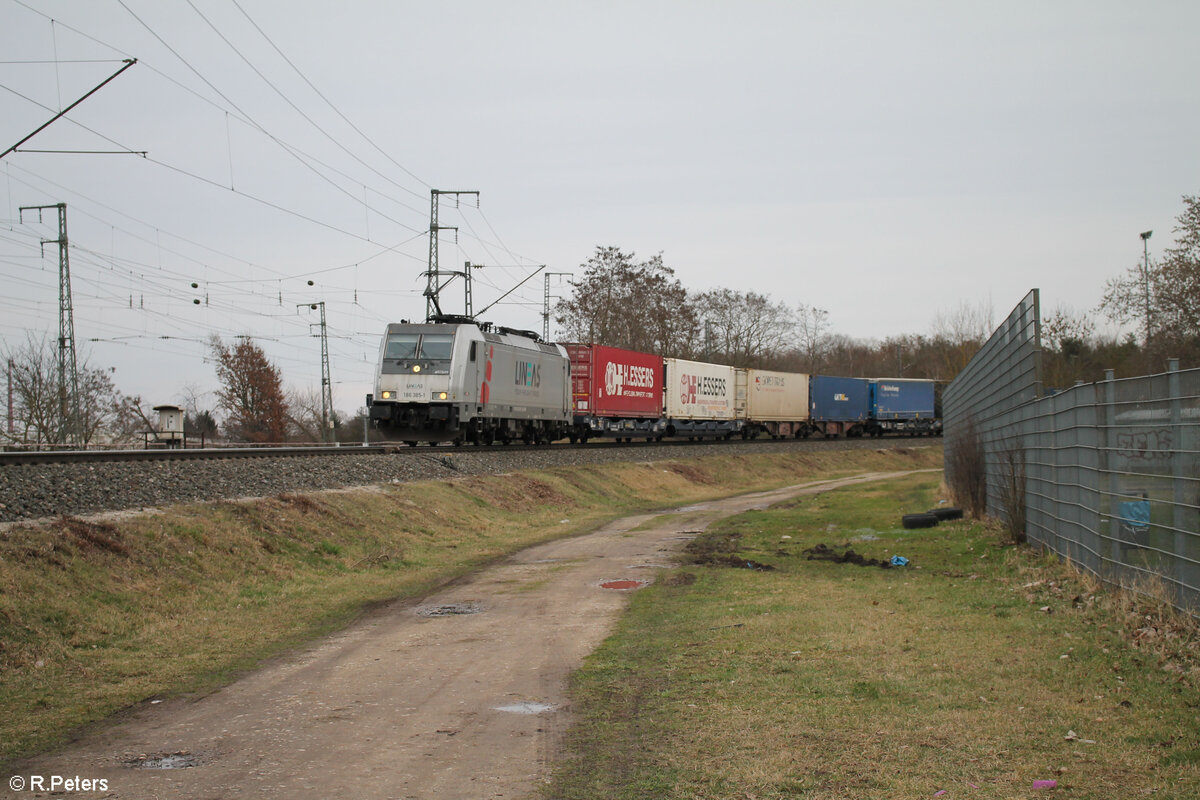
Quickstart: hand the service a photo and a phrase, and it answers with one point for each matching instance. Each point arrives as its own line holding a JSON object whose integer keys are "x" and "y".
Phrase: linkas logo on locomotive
{"x": 694, "y": 388}
{"x": 621, "y": 377}
{"x": 528, "y": 374}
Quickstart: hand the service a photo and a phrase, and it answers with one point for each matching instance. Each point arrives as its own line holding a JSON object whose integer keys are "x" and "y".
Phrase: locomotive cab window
{"x": 401, "y": 346}
{"x": 437, "y": 346}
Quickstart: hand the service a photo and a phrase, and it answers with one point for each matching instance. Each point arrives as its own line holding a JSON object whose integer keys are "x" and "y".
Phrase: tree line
{"x": 640, "y": 305}
{"x": 251, "y": 406}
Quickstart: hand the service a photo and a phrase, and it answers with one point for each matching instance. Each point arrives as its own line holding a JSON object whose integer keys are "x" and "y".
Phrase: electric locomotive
{"x": 457, "y": 380}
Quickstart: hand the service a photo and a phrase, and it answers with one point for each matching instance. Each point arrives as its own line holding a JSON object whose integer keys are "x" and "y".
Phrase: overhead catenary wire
{"x": 234, "y": 300}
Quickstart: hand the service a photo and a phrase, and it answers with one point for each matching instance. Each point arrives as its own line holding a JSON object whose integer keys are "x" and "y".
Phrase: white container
{"x": 698, "y": 391}
{"x": 776, "y": 396}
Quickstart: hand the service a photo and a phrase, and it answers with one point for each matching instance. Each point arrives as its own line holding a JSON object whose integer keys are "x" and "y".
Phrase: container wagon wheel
{"x": 919, "y": 520}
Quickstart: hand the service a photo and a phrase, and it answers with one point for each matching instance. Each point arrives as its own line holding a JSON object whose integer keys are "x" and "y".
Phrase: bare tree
{"x": 744, "y": 329}
{"x": 42, "y": 414}
{"x": 1169, "y": 291}
{"x": 624, "y": 303}
{"x": 966, "y": 467}
{"x": 1067, "y": 343}
{"x": 961, "y": 332}
{"x": 812, "y": 329}
{"x": 305, "y": 414}
{"x": 251, "y": 392}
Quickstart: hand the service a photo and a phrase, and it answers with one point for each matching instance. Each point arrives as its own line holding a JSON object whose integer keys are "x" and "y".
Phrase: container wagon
{"x": 703, "y": 399}
{"x": 839, "y": 406}
{"x": 776, "y": 404}
{"x": 615, "y": 392}
{"x": 903, "y": 405}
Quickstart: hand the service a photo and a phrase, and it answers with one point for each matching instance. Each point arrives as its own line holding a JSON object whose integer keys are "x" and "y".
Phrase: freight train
{"x": 457, "y": 380}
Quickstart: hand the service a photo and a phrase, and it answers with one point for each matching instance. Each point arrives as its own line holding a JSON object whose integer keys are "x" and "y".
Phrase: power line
{"x": 328, "y": 102}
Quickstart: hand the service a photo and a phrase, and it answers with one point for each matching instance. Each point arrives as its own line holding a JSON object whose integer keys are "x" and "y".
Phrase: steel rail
{"x": 91, "y": 456}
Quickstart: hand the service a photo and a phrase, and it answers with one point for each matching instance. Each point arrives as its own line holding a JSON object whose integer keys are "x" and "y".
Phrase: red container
{"x": 610, "y": 382}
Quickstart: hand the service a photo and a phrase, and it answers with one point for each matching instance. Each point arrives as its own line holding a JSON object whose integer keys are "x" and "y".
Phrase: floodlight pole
{"x": 1146, "y": 278}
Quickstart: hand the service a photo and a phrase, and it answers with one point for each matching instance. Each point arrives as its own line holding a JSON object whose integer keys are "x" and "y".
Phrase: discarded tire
{"x": 948, "y": 513}
{"x": 919, "y": 520}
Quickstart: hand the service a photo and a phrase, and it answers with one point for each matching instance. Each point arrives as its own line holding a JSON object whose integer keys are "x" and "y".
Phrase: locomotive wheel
{"x": 411, "y": 444}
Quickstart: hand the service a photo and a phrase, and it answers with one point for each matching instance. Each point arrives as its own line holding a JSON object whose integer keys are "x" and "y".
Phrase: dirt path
{"x": 415, "y": 701}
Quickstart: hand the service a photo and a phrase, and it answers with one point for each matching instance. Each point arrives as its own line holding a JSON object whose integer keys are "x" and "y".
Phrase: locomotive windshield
{"x": 401, "y": 345}
{"x": 420, "y": 347}
{"x": 437, "y": 346}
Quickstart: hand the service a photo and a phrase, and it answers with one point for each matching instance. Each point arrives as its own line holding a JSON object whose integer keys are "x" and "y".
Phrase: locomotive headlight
{"x": 416, "y": 367}
{"x": 441, "y": 396}
{"x": 387, "y": 395}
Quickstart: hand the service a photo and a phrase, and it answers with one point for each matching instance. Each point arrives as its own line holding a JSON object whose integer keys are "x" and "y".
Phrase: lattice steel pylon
{"x": 433, "y": 284}
{"x": 68, "y": 377}
{"x": 326, "y": 384}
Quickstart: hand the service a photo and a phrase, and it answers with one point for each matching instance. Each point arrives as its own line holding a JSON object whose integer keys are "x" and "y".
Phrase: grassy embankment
{"x": 96, "y": 616}
{"x": 973, "y": 672}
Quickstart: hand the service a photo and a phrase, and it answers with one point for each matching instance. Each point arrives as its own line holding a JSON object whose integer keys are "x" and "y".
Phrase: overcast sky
{"x": 881, "y": 160}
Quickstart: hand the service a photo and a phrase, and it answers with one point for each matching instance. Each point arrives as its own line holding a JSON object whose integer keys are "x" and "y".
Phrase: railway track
{"x": 398, "y": 448}
{"x": 200, "y": 453}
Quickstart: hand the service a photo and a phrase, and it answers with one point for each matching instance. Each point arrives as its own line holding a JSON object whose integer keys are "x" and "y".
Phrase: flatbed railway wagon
{"x": 839, "y": 406}
{"x": 776, "y": 404}
{"x": 465, "y": 382}
{"x": 703, "y": 399}
{"x": 615, "y": 392}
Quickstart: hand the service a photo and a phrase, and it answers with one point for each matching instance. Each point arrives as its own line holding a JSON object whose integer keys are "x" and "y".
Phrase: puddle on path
{"x": 624, "y": 583}
{"x": 449, "y": 610}
{"x": 163, "y": 761}
{"x": 527, "y": 708}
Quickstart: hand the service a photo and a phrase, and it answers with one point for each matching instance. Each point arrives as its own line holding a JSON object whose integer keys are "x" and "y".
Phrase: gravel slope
{"x": 46, "y": 490}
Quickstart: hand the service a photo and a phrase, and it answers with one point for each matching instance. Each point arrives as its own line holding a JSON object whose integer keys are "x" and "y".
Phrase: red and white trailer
{"x": 615, "y": 392}
{"x": 704, "y": 399}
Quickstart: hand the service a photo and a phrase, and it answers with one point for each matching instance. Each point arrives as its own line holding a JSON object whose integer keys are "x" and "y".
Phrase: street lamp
{"x": 1146, "y": 277}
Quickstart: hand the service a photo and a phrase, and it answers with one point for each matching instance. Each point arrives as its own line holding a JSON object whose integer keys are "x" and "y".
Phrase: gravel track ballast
{"x": 36, "y": 491}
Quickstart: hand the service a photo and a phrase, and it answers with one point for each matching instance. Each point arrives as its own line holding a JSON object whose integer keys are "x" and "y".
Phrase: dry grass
{"x": 98, "y": 615}
{"x": 977, "y": 670}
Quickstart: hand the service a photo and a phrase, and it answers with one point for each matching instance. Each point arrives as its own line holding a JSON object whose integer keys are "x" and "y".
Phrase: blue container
{"x": 839, "y": 399}
{"x": 900, "y": 398}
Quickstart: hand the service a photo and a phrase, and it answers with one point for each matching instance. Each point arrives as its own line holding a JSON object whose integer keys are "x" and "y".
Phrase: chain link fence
{"x": 1106, "y": 474}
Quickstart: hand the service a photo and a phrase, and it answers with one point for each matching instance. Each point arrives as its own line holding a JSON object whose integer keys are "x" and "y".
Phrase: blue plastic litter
{"x": 899, "y": 561}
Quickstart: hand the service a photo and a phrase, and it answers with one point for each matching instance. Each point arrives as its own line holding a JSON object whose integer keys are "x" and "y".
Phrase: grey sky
{"x": 882, "y": 160}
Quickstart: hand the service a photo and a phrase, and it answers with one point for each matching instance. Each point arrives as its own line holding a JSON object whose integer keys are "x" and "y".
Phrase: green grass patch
{"x": 98, "y": 615}
{"x": 977, "y": 669}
